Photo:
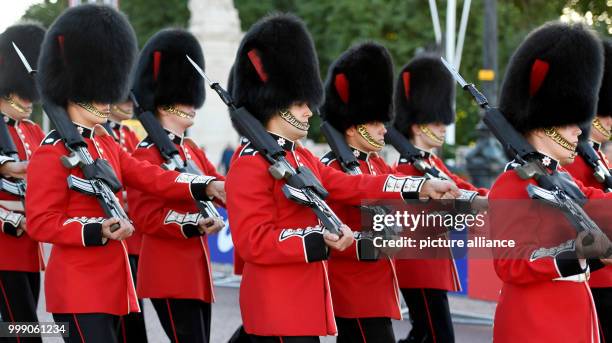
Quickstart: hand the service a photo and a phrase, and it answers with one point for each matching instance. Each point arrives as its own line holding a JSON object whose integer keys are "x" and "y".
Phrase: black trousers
{"x": 18, "y": 299}
{"x": 429, "y": 315}
{"x": 240, "y": 336}
{"x": 603, "y": 303}
{"x": 89, "y": 327}
{"x": 365, "y": 330}
{"x": 284, "y": 339}
{"x": 132, "y": 326}
{"x": 184, "y": 320}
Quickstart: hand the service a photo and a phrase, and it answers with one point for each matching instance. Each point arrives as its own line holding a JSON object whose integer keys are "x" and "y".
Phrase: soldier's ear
{"x": 351, "y": 131}
{"x": 414, "y": 130}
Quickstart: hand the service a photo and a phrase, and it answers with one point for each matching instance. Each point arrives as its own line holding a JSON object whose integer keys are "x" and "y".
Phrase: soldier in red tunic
{"x": 285, "y": 294}
{"x": 20, "y": 256}
{"x": 424, "y": 97}
{"x": 597, "y": 132}
{"x": 175, "y": 268}
{"x": 358, "y": 99}
{"x": 85, "y": 60}
{"x": 550, "y": 87}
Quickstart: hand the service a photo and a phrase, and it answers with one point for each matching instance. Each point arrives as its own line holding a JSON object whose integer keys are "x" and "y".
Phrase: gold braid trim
{"x": 291, "y": 119}
{"x": 366, "y": 135}
{"x": 119, "y": 110}
{"x": 557, "y": 138}
{"x": 430, "y": 134}
{"x": 93, "y": 110}
{"x": 599, "y": 127}
{"x": 177, "y": 112}
{"x": 15, "y": 105}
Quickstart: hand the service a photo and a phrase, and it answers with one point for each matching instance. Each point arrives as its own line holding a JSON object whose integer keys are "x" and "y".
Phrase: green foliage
{"x": 149, "y": 16}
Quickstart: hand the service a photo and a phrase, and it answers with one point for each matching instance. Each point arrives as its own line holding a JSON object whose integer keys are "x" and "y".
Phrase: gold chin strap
{"x": 178, "y": 113}
{"x": 15, "y": 105}
{"x": 599, "y": 127}
{"x": 119, "y": 110}
{"x": 93, "y": 110}
{"x": 366, "y": 135}
{"x": 557, "y": 138}
{"x": 430, "y": 134}
{"x": 291, "y": 119}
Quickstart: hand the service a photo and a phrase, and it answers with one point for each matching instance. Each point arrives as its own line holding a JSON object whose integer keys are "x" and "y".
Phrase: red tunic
{"x": 361, "y": 289}
{"x": 285, "y": 286}
{"x": 20, "y": 253}
{"x": 174, "y": 258}
{"x": 535, "y": 303}
{"x": 436, "y": 273}
{"x": 580, "y": 170}
{"x": 127, "y": 139}
{"x": 84, "y": 274}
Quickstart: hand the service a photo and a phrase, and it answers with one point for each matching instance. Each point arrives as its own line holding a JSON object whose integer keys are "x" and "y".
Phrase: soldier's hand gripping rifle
{"x": 171, "y": 154}
{"x": 413, "y": 155}
{"x": 601, "y": 173}
{"x": 301, "y": 186}
{"x": 100, "y": 179}
{"x": 550, "y": 189}
{"x": 350, "y": 165}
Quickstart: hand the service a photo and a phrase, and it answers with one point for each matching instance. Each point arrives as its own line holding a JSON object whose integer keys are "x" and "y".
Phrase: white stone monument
{"x": 216, "y": 25}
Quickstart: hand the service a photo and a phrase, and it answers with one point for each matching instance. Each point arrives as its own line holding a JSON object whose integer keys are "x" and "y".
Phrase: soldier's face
{"x": 376, "y": 130}
{"x": 596, "y": 135}
{"x": 20, "y": 109}
{"x": 570, "y": 133}
{"x": 184, "y": 121}
{"x": 122, "y": 111}
{"x": 427, "y": 142}
{"x": 301, "y": 112}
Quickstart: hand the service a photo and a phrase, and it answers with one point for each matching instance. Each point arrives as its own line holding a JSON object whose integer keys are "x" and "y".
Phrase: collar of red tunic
{"x": 596, "y": 145}
{"x": 284, "y": 142}
{"x": 547, "y": 161}
{"x": 10, "y": 121}
{"x": 114, "y": 125}
{"x": 360, "y": 154}
{"x": 175, "y": 137}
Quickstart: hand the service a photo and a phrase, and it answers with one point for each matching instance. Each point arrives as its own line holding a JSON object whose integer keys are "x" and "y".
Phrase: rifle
{"x": 350, "y": 165}
{"x": 549, "y": 190}
{"x": 100, "y": 179}
{"x": 301, "y": 186}
{"x": 408, "y": 151}
{"x": 171, "y": 154}
{"x": 601, "y": 173}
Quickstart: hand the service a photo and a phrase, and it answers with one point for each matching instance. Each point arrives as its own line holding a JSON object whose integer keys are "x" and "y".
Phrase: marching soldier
{"x": 85, "y": 60}
{"x": 550, "y": 88}
{"x": 132, "y": 325}
{"x": 276, "y": 78}
{"x": 424, "y": 98}
{"x": 175, "y": 268}
{"x": 358, "y": 99}
{"x": 20, "y": 256}
{"x": 597, "y": 132}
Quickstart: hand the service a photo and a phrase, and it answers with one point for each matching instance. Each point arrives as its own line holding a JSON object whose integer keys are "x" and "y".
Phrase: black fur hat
{"x": 359, "y": 87}
{"x": 164, "y": 76}
{"x": 604, "y": 104}
{"x": 276, "y": 65}
{"x": 424, "y": 93}
{"x": 553, "y": 78}
{"x": 14, "y": 77}
{"x": 87, "y": 56}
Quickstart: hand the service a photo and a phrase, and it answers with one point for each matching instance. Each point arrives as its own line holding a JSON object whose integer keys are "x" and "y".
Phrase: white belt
{"x": 584, "y": 277}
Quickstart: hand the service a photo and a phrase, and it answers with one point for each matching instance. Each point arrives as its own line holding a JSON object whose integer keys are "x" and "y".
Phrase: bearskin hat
{"x": 553, "y": 78}
{"x": 276, "y": 65}
{"x": 604, "y": 104}
{"x": 359, "y": 87}
{"x": 164, "y": 76}
{"x": 424, "y": 93}
{"x": 87, "y": 56}
{"x": 14, "y": 77}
